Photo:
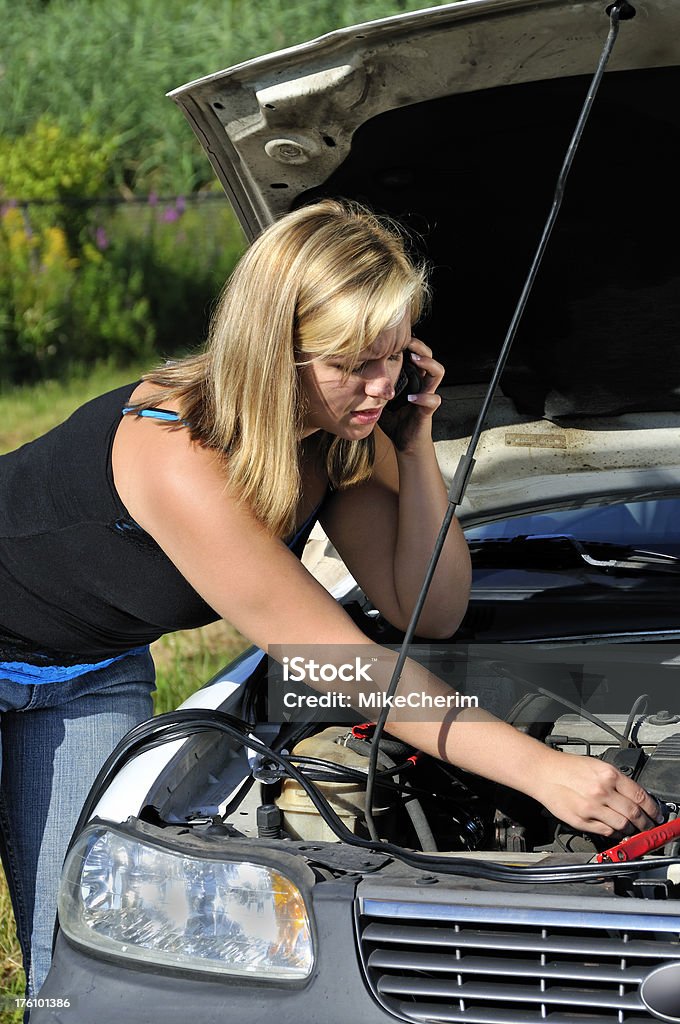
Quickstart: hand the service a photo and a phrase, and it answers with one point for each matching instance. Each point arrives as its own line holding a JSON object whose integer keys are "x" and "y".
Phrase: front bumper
{"x": 398, "y": 944}
{"x": 108, "y": 993}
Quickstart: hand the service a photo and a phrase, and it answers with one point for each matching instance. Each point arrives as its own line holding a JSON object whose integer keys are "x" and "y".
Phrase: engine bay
{"x": 426, "y": 804}
{"x": 423, "y": 804}
{"x": 300, "y": 785}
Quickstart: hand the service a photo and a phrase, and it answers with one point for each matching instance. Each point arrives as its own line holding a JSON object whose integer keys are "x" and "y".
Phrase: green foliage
{"x": 47, "y": 163}
{"x": 81, "y": 282}
{"x": 11, "y": 973}
{"x": 188, "y": 659}
{"x": 83, "y": 114}
{"x": 184, "y": 253}
{"x": 57, "y": 309}
{"x": 139, "y": 280}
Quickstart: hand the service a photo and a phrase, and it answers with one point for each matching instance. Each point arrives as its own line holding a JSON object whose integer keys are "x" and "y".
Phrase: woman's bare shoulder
{"x": 179, "y": 492}
{"x": 152, "y": 458}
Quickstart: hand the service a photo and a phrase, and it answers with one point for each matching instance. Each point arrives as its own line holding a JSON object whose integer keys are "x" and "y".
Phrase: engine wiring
{"x": 622, "y": 738}
{"x": 182, "y": 724}
{"x": 330, "y": 771}
{"x": 639, "y": 707}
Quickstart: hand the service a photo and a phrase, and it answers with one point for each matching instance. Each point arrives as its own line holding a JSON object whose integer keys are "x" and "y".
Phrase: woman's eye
{"x": 352, "y": 370}
{"x": 357, "y": 370}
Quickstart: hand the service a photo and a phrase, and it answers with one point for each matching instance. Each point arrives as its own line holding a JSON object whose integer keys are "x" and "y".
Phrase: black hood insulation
{"x": 473, "y": 175}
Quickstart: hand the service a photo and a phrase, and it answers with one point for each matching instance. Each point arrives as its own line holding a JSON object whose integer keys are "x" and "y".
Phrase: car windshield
{"x": 652, "y": 525}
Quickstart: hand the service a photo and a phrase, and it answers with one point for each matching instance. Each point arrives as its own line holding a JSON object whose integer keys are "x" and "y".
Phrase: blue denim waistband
{"x": 21, "y": 672}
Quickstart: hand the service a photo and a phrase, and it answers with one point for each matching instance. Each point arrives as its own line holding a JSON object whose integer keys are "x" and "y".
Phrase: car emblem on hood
{"x": 660, "y": 992}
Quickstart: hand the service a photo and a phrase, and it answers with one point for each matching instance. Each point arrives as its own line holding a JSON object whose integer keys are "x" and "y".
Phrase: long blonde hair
{"x": 323, "y": 281}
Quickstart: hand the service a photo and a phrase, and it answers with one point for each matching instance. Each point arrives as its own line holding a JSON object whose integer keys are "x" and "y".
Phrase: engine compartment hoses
{"x": 181, "y": 724}
{"x": 639, "y": 707}
{"x": 412, "y": 804}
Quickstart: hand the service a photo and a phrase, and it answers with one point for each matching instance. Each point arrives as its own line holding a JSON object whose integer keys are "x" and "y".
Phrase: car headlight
{"x": 124, "y": 896}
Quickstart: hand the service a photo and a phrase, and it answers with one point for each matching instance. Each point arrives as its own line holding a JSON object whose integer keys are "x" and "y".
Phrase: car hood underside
{"x": 456, "y": 121}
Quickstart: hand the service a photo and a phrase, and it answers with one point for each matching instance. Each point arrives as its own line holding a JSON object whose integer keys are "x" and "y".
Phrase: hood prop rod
{"x": 619, "y": 11}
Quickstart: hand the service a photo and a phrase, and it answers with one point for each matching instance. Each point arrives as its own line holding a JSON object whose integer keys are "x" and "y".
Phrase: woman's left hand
{"x": 411, "y": 423}
{"x": 592, "y": 796}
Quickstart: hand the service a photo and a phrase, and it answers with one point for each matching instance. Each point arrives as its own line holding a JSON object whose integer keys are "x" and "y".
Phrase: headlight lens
{"x": 121, "y": 895}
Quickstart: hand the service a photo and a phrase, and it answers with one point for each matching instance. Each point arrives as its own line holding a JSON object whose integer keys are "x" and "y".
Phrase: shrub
{"x": 48, "y": 165}
{"x": 184, "y": 252}
{"x": 80, "y": 281}
{"x": 141, "y": 281}
{"x": 57, "y": 310}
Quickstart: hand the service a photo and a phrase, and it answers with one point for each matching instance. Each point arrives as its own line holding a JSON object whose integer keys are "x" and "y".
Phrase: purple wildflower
{"x": 180, "y": 204}
{"x": 153, "y": 199}
{"x": 11, "y": 204}
{"x": 170, "y": 215}
{"x": 101, "y": 239}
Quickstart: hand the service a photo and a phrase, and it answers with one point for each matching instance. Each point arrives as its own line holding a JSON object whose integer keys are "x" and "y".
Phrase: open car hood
{"x": 455, "y": 120}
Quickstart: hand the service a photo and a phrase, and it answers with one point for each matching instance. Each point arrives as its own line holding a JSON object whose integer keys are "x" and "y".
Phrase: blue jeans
{"x": 54, "y": 738}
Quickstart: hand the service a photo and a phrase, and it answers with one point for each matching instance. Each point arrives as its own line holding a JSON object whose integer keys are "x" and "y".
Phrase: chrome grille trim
{"x": 507, "y": 940}
{"x": 511, "y": 965}
{"x": 395, "y": 961}
{"x": 408, "y": 910}
{"x": 515, "y": 994}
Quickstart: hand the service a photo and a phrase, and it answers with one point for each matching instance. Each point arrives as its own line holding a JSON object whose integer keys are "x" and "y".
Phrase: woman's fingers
{"x": 418, "y": 346}
{"x": 621, "y": 817}
{"x": 426, "y": 400}
{"x": 636, "y": 804}
{"x": 430, "y": 370}
{"x": 595, "y": 797}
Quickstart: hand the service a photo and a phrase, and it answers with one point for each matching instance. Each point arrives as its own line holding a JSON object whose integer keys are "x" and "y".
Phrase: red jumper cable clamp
{"x": 363, "y": 731}
{"x": 644, "y": 842}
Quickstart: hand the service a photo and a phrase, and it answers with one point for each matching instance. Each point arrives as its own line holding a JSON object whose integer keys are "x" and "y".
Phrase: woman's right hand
{"x": 593, "y": 796}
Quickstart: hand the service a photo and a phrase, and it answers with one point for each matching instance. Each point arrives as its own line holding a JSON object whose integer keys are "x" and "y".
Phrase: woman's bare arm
{"x": 385, "y": 529}
{"x": 178, "y": 492}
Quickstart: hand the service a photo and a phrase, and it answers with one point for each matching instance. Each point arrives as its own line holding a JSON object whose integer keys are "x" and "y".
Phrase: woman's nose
{"x": 380, "y": 386}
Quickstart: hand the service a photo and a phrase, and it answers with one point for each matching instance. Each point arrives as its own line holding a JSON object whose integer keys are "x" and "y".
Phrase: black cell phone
{"x": 408, "y": 382}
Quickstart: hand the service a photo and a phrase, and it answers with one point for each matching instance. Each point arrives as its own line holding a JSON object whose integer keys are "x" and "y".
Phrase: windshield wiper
{"x": 552, "y": 551}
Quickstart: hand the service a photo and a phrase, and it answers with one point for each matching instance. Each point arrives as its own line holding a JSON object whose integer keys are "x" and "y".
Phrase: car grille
{"x": 495, "y": 965}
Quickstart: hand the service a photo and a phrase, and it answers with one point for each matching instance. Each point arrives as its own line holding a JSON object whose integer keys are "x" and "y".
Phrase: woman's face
{"x": 349, "y": 405}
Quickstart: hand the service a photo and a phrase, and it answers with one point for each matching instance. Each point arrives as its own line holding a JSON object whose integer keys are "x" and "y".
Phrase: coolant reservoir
{"x": 348, "y": 799}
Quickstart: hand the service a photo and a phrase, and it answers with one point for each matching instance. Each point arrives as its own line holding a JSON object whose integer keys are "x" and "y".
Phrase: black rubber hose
{"x": 180, "y": 724}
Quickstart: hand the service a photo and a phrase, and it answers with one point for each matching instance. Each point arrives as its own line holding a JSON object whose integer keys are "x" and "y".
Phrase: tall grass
{"x": 29, "y": 410}
{"x": 108, "y": 66}
{"x": 11, "y": 970}
{"x": 184, "y": 661}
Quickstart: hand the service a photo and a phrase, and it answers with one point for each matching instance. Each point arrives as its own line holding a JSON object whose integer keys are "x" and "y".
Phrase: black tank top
{"x": 79, "y": 580}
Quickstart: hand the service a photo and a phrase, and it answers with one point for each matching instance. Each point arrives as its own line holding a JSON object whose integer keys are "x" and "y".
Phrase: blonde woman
{"x": 178, "y": 500}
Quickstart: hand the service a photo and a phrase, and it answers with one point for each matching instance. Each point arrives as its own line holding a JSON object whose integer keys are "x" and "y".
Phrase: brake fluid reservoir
{"x": 348, "y": 799}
